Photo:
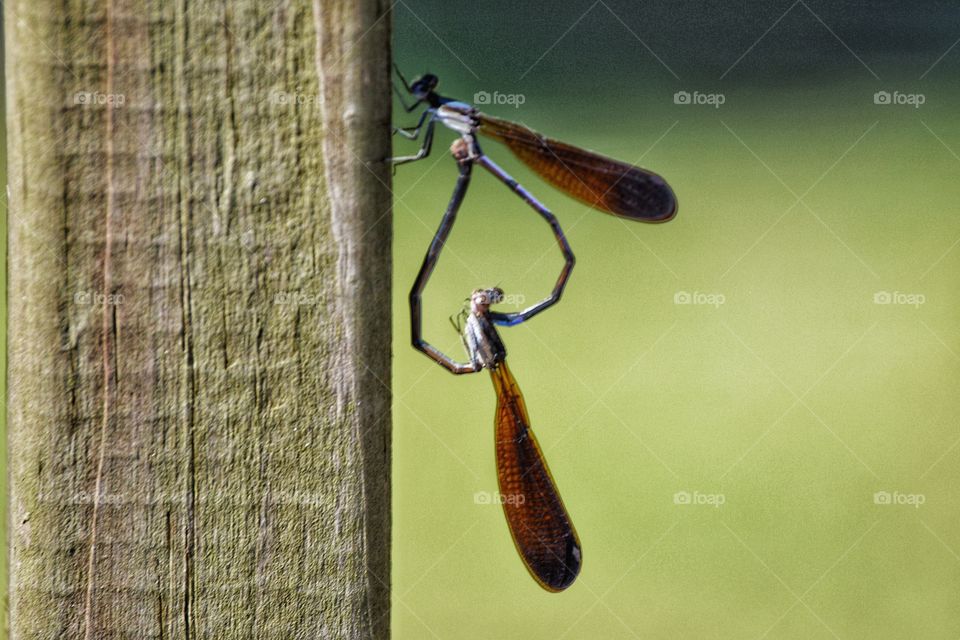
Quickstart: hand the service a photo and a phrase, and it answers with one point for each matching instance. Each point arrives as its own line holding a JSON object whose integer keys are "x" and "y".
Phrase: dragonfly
{"x": 603, "y": 183}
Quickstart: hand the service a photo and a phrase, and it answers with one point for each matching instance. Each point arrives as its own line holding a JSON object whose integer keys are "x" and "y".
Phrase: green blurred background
{"x": 778, "y": 458}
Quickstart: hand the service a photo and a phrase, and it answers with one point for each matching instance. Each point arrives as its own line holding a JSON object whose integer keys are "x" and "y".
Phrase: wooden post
{"x": 199, "y": 318}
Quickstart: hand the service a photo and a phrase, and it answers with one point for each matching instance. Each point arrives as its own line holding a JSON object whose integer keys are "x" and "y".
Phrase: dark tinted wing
{"x": 601, "y": 182}
{"x": 541, "y": 528}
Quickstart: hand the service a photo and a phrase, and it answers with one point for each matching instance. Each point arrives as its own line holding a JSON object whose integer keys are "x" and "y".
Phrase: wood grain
{"x": 199, "y": 319}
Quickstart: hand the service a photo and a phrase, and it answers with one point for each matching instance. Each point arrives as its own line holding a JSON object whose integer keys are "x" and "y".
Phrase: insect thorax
{"x": 482, "y": 341}
{"x": 456, "y": 116}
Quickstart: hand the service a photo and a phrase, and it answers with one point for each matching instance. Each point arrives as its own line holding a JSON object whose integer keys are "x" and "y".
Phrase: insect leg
{"x": 412, "y": 133}
{"x": 424, "y": 149}
{"x": 406, "y": 85}
{"x": 510, "y": 319}
{"x": 426, "y": 269}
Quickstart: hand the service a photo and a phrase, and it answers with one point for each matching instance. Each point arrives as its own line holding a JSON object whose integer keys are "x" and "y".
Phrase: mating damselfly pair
{"x": 539, "y": 523}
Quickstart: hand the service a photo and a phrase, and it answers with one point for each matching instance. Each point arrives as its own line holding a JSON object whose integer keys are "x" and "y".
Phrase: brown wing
{"x": 601, "y": 182}
{"x": 541, "y": 528}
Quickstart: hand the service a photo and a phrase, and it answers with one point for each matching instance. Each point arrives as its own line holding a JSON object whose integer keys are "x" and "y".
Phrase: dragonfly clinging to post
{"x": 603, "y": 183}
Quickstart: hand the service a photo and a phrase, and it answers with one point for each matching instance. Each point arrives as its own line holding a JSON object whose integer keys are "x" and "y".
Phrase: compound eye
{"x": 425, "y": 84}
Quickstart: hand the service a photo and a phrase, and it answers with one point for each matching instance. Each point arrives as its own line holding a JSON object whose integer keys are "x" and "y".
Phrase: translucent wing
{"x": 601, "y": 182}
{"x": 539, "y": 523}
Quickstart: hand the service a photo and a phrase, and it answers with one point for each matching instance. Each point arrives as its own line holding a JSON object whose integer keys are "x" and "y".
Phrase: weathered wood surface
{"x": 199, "y": 318}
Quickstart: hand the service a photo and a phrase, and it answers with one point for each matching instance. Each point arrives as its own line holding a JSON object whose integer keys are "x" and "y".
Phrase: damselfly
{"x": 601, "y": 182}
{"x": 539, "y": 523}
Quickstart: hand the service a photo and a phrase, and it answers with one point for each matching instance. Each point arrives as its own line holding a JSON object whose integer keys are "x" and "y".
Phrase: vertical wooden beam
{"x": 199, "y": 318}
